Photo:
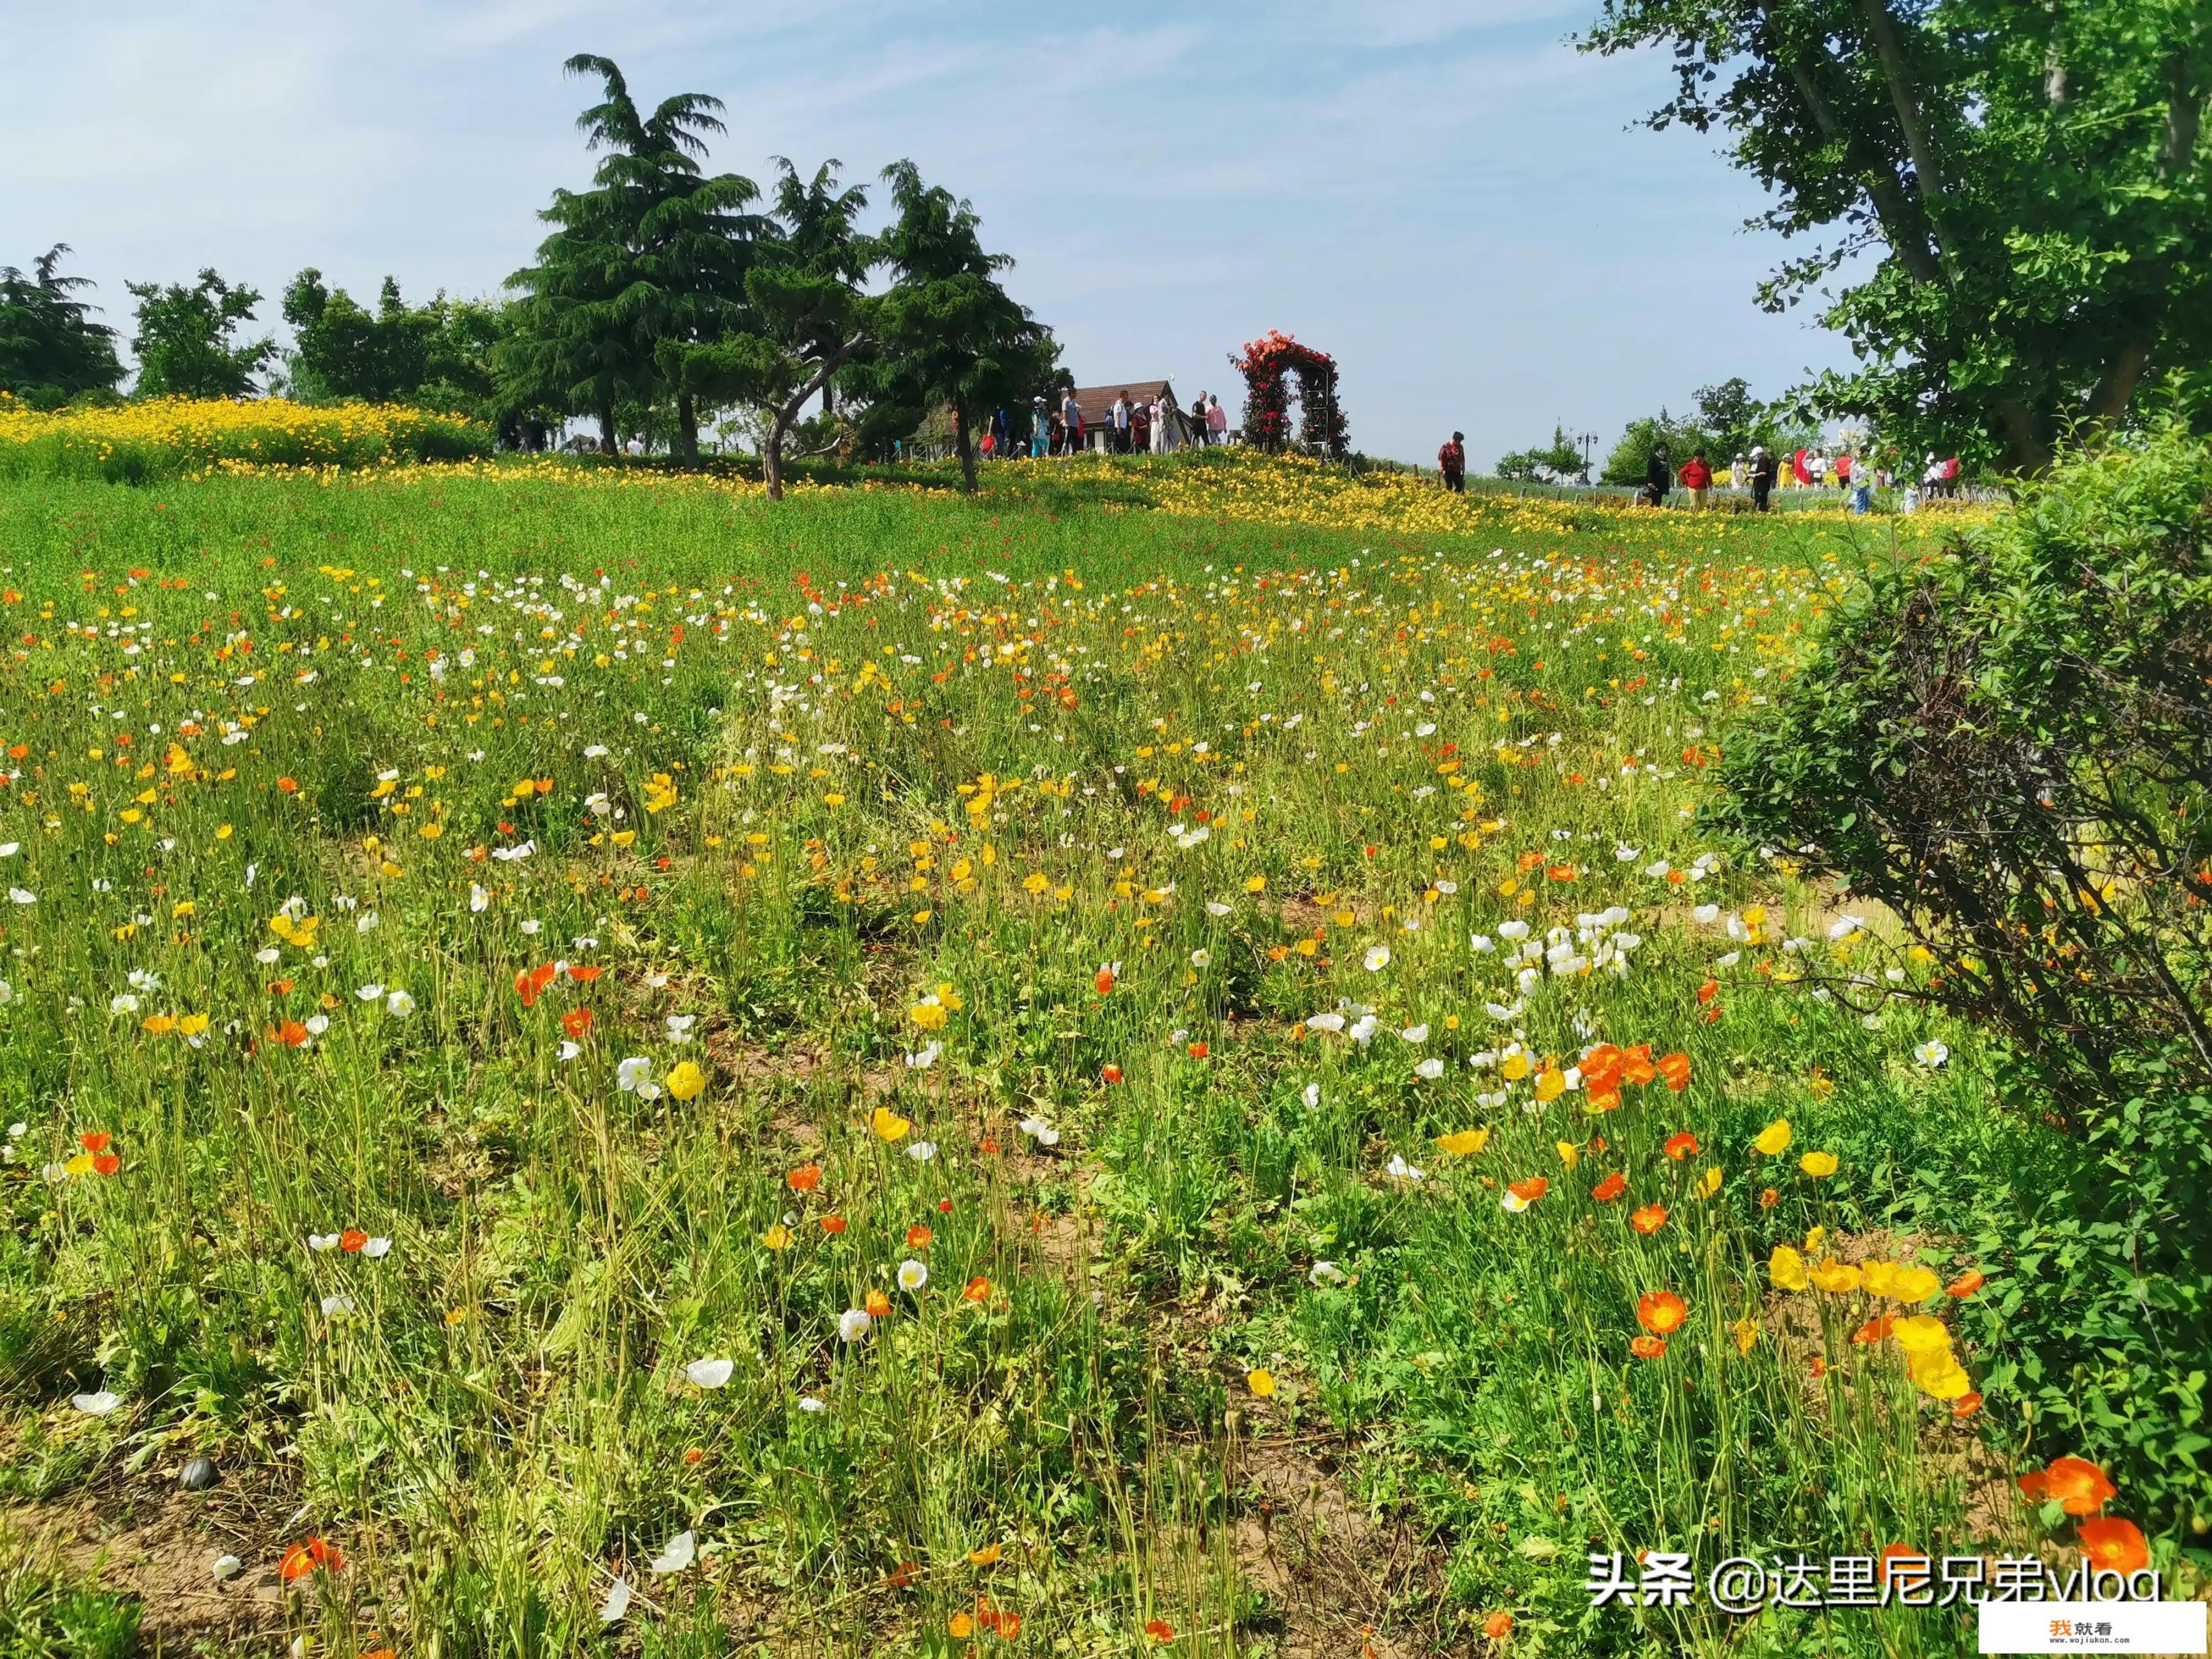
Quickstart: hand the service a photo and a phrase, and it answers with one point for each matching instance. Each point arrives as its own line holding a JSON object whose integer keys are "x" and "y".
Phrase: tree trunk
{"x": 965, "y": 448}
{"x": 2027, "y": 451}
{"x": 686, "y": 430}
{"x": 772, "y": 455}
{"x": 828, "y": 398}
{"x": 607, "y": 444}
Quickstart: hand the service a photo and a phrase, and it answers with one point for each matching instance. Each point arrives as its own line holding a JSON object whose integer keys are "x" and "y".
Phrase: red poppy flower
{"x": 1104, "y": 981}
{"x": 1110, "y": 1073}
{"x": 291, "y": 1034}
{"x": 105, "y": 1163}
{"x": 94, "y": 1140}
{"x": 1610, "y": 1188}
{"x": 352, "y": 1239}
{"x": 1159, "y": 1630}
{"x": 989, "y": 1147}
{"x": 832, "y": 1225}
{"x": 806, "y": 1178}
{"x": 1196, "y": 1051}
{"x": 1681, "y": 1145}
{"x": 303, "y": 1558}
{"x": 1873, "y": 1331}
{"x": 1649, "y": 1219}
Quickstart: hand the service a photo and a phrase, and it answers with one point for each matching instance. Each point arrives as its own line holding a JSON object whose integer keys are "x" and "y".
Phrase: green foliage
{"x": 2009, "y": 746}
{"x": 652, "y": 258}
{"x": 1560, "y": 458}
{"x": 2033, "y": 180}
{"x": 183, "y": 343}
{"x": 45, "y": 1612}
{"x": 51, "y": 350}
{"x": 949, "y": 330}
{"x": 439, "y": 355}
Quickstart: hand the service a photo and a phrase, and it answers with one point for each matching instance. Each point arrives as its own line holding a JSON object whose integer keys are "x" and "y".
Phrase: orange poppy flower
{"x": 280, "y": 987}
{"x": 352, "y": 1239}
{"x": 1159, "y": 1630}
{"x": 1528, "y": 1192}
{"x": 287, "y": 786}
{"x": 1636, "y": 1065}
{"x": 1610, "y": 1188}
{"x": 1010, "y": 1625}
{"x": 1873, "y": 1331}
{"x": 1196, "y": 1051}
{"x": 918, "y": 1236}
{"x": 1966, "y": 1283}
{"x": 1820, "y": 1368}
{"x": 1675, "y": 1068}
{"x": 877, "y": 1304}
{"x": 2113, "y": 1544}
{"x": 1681, "y": 1145}
{"x": 806, "y": 1178}
{"x": 988, "y": 1147}
{"x": 1966, "y": 1405}
{"x": 532, "y": 980}
{"x": 105, "y": 1163}
{"x": 1104, "y": 982}
{"x": 832, "y": 1225}
{"x": 2079, "y": 1485}
{"x": 1709, "y": 990}
{"x": 1660, "y": 1311}
{"x": 1497, "y": 1626}
{"x": 1649, "y": 1219}
{"x": 303, "y": 1558}
{"x": 1647, "y": 1347}
{"x": 583, "y": 976}
{"x": 1768, "y": 1198}
{"x": 291, "y": 1034}
{"x": 576, "y": 1022}
{"x": 94, "y": 1140}
{"x": 1110, "y": 1073}
{"x": 1602, "y": 1100}
{"x": 1893, "y": 1556}
{"x": 978, "y": 1290}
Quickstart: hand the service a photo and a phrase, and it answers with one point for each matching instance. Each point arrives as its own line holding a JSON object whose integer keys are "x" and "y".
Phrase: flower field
{"x": 648, "y": 1073}
{"x": 166, "y": 438}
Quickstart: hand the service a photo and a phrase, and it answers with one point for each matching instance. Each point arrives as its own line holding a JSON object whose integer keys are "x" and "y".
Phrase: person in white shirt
{"x": 1121, "y": 423}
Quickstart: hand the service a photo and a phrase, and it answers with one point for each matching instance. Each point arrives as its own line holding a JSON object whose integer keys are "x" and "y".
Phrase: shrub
{"x": 2009, "y": 744}
{"x": 161, "y": 438}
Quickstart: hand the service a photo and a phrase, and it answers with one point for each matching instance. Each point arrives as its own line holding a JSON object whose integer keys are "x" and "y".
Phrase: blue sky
{"x": 1448, "y": 198}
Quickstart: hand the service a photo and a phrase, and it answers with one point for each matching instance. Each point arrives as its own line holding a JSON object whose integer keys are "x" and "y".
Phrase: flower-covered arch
{"x": 1265, "y": 363}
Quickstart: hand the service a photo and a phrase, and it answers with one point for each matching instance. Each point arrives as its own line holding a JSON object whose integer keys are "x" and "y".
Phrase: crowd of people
{"x": 1758, "y": 474}
{"x": 1137, "y": 426}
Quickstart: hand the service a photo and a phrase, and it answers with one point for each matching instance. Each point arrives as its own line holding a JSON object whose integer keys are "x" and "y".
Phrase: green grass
{"x": 753, "y": 834}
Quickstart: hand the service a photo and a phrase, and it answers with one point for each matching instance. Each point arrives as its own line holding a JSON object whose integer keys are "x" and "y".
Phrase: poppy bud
{"x": 1110, "y": 1073}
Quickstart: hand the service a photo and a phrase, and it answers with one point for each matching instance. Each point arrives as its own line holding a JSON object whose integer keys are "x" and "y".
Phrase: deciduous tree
{"x": 2029, "y": 184}
{"x": 183, "y": 342}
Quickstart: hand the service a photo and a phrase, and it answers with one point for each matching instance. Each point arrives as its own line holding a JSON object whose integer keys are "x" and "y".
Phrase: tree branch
{"x": 1891, "y": 205}
{"x": 1889, "y": 50}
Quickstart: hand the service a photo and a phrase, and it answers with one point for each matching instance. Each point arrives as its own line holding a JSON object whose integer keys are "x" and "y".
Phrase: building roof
{"x": 1096, "y": 402}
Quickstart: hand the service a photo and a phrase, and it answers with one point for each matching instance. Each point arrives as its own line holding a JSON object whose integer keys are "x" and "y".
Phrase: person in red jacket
{"x": 1696, "y": 476}
{"x": 1451, "y": 461}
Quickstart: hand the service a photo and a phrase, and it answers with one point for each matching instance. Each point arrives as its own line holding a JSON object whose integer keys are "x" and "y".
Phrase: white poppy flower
{"x": 924, "y": 1058}
{"x": 398, "y": 1004}
{"x": 1932, "y": 1053}
{"x": 1398, "y": 1169}
{"x": 1201, "y": 958}
{"x": 710, "y": 1373}
{"x": 322, "y": 1241}
{"x": 228, "y": 1566}
{"x": 811, "y": 1403}
{"x": 125, "y": 1004}
{"x": 913, "y": 1274}
{"x": 336, "y": 1306}
{"x": 369, "y": 993}
{"x": 1216, "y": 908}
{"x": 681, "y": 1551}
{"x": 1431, "y": 1068}
{"x": 853, "y": 1324}
{"x": 1414, "y": 1034}
{"x": 96, "y": 1404}
{"x": 1378, "y": 958}
{"x": 479, "y": 900}
{"x": 1325, "y": 1273}
{"x": 618, "y": 1601}
{"x": 376, "y": 1249}
{"x": 922, "y": 1151}
{"x": 1312, "y": 1096}
{"x": 1705, "y": 915}
{"x": 634, "y": 1075}
{"x": 1325, "y": 1022}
